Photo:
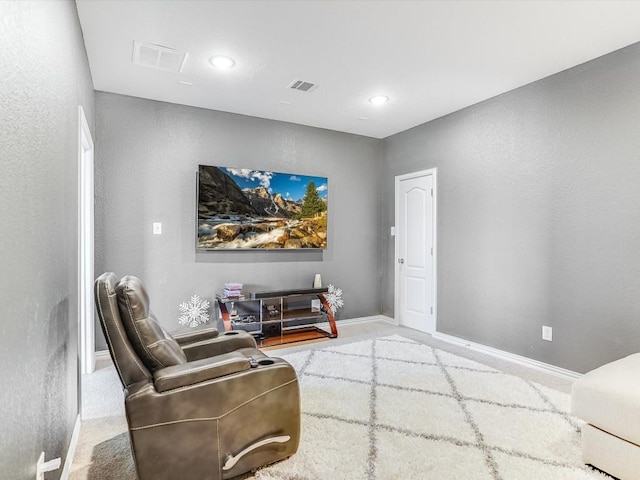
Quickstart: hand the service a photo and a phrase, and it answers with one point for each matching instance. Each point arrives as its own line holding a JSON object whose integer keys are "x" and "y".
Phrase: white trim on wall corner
{"x": 86, "y": 243}
{"x": 510, "y": 357}
{"x": 71, "y": 451}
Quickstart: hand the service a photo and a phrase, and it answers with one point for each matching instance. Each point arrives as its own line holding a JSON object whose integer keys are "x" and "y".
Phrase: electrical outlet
{"x": 547, "y": 333}
{"x": 157, "y": 228}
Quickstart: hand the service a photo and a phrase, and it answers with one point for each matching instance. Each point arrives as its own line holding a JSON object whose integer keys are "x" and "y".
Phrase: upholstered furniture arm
{"x": 224, "y": 343}
{"x": 195, "y": 336}
{"x": 208, "y": 400}
{"x": 198, "y": 371}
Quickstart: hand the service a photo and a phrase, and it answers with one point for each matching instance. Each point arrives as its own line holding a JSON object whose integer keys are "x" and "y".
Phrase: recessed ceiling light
{"x": 282, "y": 102}
{"x": 363, "y": 118}
{"x": 182, "y": 82}
{"x": 222, "y": 62}
{"x": 379, "y": 100}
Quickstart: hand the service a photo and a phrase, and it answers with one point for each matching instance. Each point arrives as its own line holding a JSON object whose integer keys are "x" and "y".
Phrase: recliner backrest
{"x": 128, "y": 364}
{"x": 153, "y": 344}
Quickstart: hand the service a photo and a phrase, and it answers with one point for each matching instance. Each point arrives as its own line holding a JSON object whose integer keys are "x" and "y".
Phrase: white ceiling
{"x": 430, "y": 57}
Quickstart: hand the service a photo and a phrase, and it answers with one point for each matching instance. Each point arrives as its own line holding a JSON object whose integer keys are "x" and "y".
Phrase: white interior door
{"x": 415, "y": 251}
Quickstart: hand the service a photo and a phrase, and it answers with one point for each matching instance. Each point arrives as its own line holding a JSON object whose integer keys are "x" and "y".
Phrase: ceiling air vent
{"x": 158, "y": 56}
{"x": 302, "y": 86}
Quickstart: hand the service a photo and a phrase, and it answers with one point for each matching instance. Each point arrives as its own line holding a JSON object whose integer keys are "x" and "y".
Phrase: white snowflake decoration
{"x": 334, "y": 298}
{"x": 195, "y": 312}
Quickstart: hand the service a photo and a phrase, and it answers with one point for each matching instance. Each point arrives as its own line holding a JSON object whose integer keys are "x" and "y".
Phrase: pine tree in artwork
{"x": 312, "y": 204}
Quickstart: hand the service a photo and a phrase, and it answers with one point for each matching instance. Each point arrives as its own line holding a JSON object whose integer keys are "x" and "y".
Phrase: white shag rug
{"x": 391, "y": 408}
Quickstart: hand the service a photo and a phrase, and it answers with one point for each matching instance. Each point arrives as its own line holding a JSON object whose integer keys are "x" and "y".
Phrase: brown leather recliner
{"x": 199, "y": 406}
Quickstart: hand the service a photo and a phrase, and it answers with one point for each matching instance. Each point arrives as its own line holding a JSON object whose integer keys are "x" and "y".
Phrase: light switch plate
{"x": 393, "y": 231}
{"x": 547, "y": 333}
{"x": 157, "y": 228}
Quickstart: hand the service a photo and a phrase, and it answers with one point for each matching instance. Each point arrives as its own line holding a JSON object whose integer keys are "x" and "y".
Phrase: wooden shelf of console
{"x": 278, "y": 317}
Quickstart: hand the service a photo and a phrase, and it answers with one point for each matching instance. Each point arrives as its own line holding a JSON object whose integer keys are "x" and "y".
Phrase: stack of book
{"x": 232, "y": 290}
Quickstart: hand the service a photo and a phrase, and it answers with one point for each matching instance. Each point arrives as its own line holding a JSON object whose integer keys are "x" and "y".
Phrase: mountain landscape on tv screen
{"x": 244, "y": 208}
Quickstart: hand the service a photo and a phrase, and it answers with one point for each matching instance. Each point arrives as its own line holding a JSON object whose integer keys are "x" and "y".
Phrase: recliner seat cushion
{"x": 153, "y": 344}
{"x": 608, "y": 398}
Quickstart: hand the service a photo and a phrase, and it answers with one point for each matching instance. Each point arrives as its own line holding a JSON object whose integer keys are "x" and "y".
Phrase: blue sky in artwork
{"x": 286, "y": 184}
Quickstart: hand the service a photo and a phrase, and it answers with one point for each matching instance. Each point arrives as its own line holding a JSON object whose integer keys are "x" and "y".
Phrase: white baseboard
{"x": 478, "y": 347}
{"x": 370, "y": 318}
{"x": 104, "y": 354}
{"x": 357, "y": 320}
{"x": 101, "y": 354}
{"x": 390, "y": 320}
{"x": 510, "y": 357}
{"x": 347, "y": 321}
{"x": 66, "y": 470}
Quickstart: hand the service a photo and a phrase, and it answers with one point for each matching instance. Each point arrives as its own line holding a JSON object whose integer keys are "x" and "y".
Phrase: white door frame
{"x": 434, "y": 281}
{"x": 86, "y": 329}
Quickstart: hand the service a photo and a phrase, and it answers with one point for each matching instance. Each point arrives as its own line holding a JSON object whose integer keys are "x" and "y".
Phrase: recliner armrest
{"x": 217, "y": 397}
{"x": 195, "y": 336}
{"x": 191, "y": 373}
{"x": 224, "y": 343}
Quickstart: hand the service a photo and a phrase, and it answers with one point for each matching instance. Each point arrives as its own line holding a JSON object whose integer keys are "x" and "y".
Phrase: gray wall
{"x": 44, "y": 78}
{"x": 147, "y": 155}
{"x": 538, "y": 214}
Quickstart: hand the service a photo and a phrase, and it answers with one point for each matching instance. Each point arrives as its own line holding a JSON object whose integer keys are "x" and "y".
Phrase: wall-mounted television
{"x": 242, "y": 208}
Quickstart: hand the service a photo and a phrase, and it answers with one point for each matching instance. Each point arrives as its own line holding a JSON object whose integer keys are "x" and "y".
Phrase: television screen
{"x": 241, "y": 208}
